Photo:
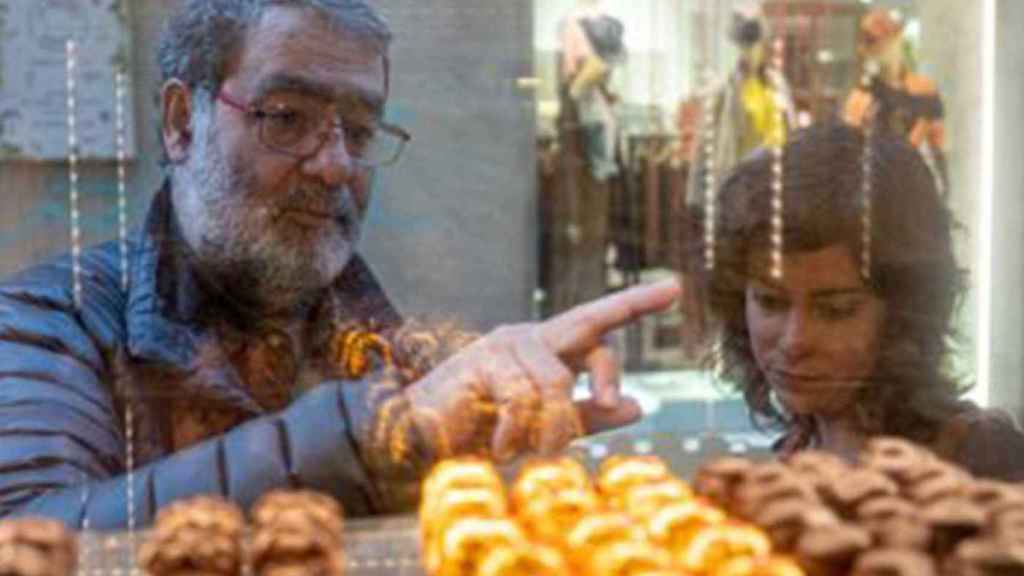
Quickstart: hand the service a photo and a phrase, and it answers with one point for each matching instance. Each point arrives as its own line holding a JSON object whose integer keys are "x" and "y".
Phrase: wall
{"x": 452, "y": 227}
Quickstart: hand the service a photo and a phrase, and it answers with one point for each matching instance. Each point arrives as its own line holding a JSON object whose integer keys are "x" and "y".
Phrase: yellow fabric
{"x": 765, "y": 125}
{"x": 593, "y": 72}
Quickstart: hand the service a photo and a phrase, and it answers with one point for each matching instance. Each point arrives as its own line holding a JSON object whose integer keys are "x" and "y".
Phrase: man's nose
{"x": 332, "y": 161}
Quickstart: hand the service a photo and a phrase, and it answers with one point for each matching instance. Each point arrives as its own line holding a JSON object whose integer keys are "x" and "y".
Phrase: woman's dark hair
{"x": 912, "y": 269}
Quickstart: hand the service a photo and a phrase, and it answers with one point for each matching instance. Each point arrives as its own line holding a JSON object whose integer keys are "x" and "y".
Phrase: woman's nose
{"x": 798, "y": 335}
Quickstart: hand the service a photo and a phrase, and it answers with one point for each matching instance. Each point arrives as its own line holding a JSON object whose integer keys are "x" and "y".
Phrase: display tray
{"x": 373, "y": 546}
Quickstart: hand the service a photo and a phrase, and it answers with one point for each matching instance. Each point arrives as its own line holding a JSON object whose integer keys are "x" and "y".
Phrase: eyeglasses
{"x": 298, "y": 126}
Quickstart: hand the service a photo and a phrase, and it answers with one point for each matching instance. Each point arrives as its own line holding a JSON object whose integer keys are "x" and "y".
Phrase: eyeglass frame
{"x": 254, "y": 110}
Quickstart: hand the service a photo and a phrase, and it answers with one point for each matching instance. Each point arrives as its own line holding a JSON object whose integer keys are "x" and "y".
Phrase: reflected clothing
{"x": 750, "y": 110}
{"x": 591, "y": 46}
{"x": 212, "y": 400}
{"x": 912, "y": 109}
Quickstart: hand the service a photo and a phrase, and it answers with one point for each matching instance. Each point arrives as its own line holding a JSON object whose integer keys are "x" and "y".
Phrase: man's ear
{"x": 176, "y": 108}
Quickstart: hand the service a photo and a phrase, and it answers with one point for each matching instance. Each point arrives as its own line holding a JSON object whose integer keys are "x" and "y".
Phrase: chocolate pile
{"x": 900, "y": 511}
{"x": 633, "y": 518}
{"x": 292, "y": 533}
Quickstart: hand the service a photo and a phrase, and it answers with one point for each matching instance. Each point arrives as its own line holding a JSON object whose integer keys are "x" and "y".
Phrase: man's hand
{"x": 511, "y": 391}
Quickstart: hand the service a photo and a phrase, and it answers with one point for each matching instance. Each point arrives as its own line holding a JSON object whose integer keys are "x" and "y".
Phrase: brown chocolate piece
{"x": 36, "y": 547}
{"x": 952, "y": 520}
{"x": 897, "y": 458}
{"x": 902, "y": 532}
{"x": 987, "y": 557}
{"x": 717, "y": 479}
{"x": 297, "y": 532}
{"x": 323, "y": 511}
{"x": 787, "y": 520}
{"x": 820, "y": 469}
{"x": 832, "y": 550}
{"x": 894, "y": 562}
{"x": 846, "y": 494}
{"x": 198, "y": 535}
{"x": 992, "y": 495}
{"x": 936, "y": 480}
{"x": 752, "y": 495}
{"x": 1008, "y": 524}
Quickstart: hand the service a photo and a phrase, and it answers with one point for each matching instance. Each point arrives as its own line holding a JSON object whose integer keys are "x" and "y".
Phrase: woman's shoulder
{"x": 990, "y": 443}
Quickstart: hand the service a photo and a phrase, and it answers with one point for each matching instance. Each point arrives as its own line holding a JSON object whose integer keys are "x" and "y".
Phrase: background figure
{"x": 746, "y": 107}
{"x": 827, "y": 353}
{"x": 591, "y": 44}
{"x": 745, "y": 115}
{"x": 893, "y": 98}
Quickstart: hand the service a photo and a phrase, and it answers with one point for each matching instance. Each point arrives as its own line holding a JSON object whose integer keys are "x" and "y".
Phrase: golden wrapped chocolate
{"x": 455, "y": 505}
{"x": 674, "y": 526}
{"x": 618, "y": 474}
{"x": 198, "y": 535}
{"x": 546, "y": 478}
{"x": 645, "y": 500}
{"x": 459, "y": 473}
{"x": 712, "y": 547}
{"x": 549, "y": 519}
{"x": 596, "y": 531}
{"x": 768, "y": 566}
{"x": 628, "y": 558}
{"x": 36, "y": 547}
{"x": 468, "y": 542}
{"x": 528, "y": 560}
{"x": 355, "y": 350}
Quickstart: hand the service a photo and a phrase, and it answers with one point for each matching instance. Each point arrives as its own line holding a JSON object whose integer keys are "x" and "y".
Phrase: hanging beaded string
{"x": 778, "y": 209}
{"x": 867, "y": 175}
{"x": 706, "y": 141}
{"x": 76, "y": 231}
{"x": 122, "y": 235}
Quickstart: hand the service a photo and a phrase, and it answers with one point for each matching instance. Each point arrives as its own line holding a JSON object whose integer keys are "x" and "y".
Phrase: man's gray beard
{"x": 241, "y": 244}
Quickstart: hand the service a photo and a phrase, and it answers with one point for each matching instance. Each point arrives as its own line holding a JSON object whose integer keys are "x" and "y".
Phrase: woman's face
{"x": 814, "y": 332}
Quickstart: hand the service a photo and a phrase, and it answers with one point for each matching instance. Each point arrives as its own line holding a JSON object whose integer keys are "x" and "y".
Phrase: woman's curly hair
{"x": 912, "y": 269}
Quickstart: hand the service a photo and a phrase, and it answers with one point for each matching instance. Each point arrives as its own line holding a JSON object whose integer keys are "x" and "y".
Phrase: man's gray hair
{"x": 200, "y": 40}
{"x": 202, "y": 37}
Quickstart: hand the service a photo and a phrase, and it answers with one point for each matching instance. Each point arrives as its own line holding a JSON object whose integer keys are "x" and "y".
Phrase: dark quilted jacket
{"x": 62, "y": 436}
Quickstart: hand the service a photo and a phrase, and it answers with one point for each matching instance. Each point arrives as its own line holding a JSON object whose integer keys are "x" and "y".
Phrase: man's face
{"x": 278, "y": 226}
{"x": 815, "y": 333}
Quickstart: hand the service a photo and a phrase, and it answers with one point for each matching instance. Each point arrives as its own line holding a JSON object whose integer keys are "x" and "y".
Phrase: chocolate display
{"x": 633, "y": 518}
{"x": 899, "y": 511}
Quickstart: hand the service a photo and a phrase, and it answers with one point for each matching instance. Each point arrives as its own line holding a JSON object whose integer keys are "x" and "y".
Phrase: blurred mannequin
{"x": 747, "y": 107}
{"x": 591, "y": 47}
{"x": 893, "y": 98}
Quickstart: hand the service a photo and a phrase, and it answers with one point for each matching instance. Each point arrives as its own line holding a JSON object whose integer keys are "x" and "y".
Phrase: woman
{"x": 826, "y": 352}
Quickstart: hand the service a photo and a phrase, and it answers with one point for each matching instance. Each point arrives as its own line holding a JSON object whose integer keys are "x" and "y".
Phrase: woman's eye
{"x": 770, "y": 302}
{"x": 837, "y": 310}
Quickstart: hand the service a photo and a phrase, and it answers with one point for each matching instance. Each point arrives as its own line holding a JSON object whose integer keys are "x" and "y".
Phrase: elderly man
{"x": 220, "y": 353}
